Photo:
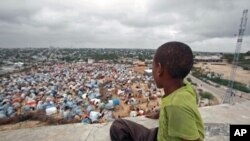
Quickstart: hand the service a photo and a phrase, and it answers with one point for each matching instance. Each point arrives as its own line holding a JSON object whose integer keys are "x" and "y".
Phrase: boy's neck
{"x": 171, "y": 86}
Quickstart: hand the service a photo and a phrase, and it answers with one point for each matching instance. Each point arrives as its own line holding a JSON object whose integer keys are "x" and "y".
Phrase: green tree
{"x": 229, "y": 57}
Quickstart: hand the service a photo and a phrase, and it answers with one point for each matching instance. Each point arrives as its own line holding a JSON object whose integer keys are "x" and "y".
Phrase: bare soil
{"x": 242, "y": 76}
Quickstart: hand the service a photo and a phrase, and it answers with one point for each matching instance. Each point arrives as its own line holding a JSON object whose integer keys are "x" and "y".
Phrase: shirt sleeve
{"x": 182, "y": 123}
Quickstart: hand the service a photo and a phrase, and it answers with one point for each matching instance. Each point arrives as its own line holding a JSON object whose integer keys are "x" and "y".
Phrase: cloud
{"x": 204, "y": 25}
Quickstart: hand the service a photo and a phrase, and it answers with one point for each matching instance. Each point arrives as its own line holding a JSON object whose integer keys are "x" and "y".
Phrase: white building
{"x": 91, "y": 61}
{"x": 214, "y": 58}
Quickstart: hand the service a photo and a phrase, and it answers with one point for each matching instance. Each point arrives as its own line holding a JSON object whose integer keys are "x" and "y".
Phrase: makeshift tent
{"x": 109, "y": 106}
{"x": 94, "y": 116}
{"x": 89, "y": 108}
{"x": 51, "y": 110}
{"x": 133, "y": 114}
{"x": 116, "y": 102}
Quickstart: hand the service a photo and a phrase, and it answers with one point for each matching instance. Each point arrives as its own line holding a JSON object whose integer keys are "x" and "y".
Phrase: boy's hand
{"x": 153, "y": 115}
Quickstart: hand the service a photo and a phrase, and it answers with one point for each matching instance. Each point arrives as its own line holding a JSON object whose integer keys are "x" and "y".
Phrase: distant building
{"x": 125, "y": 60}
{"x": 18, "y": 64}
{"x": 81, "y": 60}
{"x": 91, "y": 61}
{"x": 8, "y": 63}
{"x": 34, "y": 57}
{"x": 103, "y": 61}
{"x": 214, "y": 58}
{"x": 247, "y": 57}
{"x": 121, "y": 60}
{"x": 149, "y": 61}
{"x": 129, "y": 61}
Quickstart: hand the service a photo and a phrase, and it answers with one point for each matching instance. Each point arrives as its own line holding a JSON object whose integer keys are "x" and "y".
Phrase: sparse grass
{"x": 245, "y": 64}
{"x": 199, "y": 73}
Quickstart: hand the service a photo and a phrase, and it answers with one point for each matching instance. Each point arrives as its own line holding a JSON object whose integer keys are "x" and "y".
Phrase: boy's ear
{"x": 160, "y": 70}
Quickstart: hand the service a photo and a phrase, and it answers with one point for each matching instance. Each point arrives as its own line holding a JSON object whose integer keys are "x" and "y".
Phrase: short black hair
{"x": 176, "y": 58}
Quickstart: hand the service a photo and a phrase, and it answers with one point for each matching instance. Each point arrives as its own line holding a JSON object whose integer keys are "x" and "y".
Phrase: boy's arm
{"x": 153, "y": 115}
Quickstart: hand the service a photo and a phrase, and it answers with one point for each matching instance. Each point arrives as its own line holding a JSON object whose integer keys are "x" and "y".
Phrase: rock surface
{"x": 216, "y": 118}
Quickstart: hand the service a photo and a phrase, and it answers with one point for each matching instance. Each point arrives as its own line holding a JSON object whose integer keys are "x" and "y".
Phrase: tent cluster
{"x": 86, "y": 92}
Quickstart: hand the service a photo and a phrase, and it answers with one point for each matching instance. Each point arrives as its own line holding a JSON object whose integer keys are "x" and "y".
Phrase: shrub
{"x": 206, "y": 95}
{"x": 189, "y": 79}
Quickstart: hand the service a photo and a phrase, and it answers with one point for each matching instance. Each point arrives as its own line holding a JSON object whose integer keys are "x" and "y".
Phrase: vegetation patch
{"x": 202, "y": 75}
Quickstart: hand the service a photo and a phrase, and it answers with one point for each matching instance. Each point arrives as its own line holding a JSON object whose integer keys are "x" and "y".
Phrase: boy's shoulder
{"x": 182, "y": 97}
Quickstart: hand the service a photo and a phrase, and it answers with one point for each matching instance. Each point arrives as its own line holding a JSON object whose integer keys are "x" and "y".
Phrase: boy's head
{"x": 172, "y": 61}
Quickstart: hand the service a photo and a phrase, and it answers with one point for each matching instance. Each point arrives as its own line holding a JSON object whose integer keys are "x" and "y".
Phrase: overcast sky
{"x": 205, "y": 25}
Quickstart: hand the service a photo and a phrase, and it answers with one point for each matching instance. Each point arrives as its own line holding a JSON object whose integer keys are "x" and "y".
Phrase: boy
{"x": 179, "y": 118}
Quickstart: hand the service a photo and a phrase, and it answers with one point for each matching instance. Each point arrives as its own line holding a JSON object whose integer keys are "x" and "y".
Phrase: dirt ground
{"x": 139, "y": 69}
{"x": 215, "y": 101}
{"x": 20, "y": 125}
{"x": 242, "y": 76}
{"x": 124, "y": 110}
